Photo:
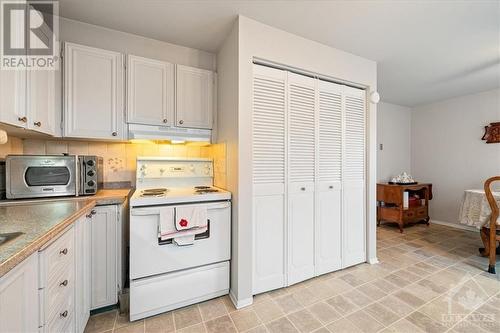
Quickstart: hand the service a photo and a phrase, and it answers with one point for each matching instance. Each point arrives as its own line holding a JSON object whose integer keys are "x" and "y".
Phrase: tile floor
{"x": 429, "y": 279}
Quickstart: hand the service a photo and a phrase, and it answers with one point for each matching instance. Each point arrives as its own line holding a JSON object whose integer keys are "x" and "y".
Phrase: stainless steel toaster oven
{"x": 33, "y": 176}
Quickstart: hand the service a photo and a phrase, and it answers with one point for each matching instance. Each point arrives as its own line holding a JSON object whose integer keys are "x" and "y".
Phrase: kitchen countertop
{"x": 41, "y": 220}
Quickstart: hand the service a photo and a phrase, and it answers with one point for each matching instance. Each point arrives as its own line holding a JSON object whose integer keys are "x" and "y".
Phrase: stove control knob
{"x": 162, "y": 170}
{"x": 191, "y": 168}
{"x": 207, "y": 172}
{"x": 90, "y": 163}
{"x": 91, "y": 173}
{"x": 91, "y": 183}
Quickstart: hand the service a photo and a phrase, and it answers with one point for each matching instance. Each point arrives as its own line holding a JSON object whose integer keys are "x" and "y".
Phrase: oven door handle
{"x": 152, "y": 211}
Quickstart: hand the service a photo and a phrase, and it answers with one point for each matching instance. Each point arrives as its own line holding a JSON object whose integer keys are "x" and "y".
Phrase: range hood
{"x": 152, "y": 132}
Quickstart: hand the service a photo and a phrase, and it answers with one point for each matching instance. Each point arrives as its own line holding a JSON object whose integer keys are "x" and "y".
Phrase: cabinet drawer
{"x": 56, "y": 258}
{"x": 63, "y": 321}
{"x": 57, "y": 293}
{"x": 421, "y": 212}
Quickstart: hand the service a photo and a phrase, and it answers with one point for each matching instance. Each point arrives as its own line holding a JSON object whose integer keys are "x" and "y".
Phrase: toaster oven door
{"x": 40, "y": 176}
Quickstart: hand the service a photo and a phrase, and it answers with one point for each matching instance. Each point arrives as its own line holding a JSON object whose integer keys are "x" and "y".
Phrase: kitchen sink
{"x": 4, "y": 238}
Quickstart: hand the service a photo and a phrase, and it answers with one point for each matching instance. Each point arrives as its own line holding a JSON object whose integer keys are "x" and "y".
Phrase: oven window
{"x": 47, "y": 176}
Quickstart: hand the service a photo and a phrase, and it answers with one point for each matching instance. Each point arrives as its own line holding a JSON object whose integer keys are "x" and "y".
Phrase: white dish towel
{"x": 189, "y": 221}
{"x": 166, "y": 225}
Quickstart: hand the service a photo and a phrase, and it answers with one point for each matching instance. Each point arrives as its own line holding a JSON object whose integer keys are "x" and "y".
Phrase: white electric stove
{"x": 161, "y": 270}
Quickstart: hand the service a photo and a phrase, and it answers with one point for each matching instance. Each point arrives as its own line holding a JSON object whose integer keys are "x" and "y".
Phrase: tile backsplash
{"x": 120, "y": 158}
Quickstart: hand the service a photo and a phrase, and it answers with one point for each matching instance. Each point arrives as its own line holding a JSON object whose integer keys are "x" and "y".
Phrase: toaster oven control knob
{"x": 90, "y": 163}
{"x": 91, "y": 183}
{"x": 91, "y": 173}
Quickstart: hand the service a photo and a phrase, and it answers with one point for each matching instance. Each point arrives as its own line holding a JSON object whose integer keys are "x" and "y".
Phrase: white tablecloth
{"x": 475, "y": 210}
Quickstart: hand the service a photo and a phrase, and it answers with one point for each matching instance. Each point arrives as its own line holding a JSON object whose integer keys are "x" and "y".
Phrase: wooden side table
{"x": 390, "y": 203}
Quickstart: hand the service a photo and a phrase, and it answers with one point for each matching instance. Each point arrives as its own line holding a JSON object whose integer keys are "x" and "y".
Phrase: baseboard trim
{"x": 455, "y": 225}
{"x": 373, "y": 261}
{"x": 238, "y": 304}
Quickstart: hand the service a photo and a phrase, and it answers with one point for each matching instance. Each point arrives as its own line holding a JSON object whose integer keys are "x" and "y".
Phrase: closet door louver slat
{"x": 330, "y": 135}
{"x": 301, "y": 132}
{"x": 354, "y": 161}
{"x": 268, "y": 130}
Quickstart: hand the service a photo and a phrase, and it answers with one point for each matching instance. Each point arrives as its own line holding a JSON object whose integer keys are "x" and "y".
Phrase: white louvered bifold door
{"x": 269, "y": 154}
{"x": 353, "y": 177}
{"x": 302, "y": 100}
{"x": 329, "y": 181}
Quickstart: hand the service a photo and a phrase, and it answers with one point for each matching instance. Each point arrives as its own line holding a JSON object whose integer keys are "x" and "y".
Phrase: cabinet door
{"x": 19, "y": 306}
{"x": 93, "y": 94}
{"x": 150, "y": 98}
{"x": 353, "y": 178}
{"x": 269, "y": 153}
{"x": 301, "y": 166}
{"x": 194, "y": 97}
{"x": 104, "y": 257}
{"x": 13, "y": 97}
{"x": 82, "y": 278}
{"x": 41, "y": 102}
{"x": 328, "y": 231}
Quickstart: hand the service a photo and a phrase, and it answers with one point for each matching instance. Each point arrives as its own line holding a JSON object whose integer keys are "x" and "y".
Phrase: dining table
{"x": 475, "y": 210}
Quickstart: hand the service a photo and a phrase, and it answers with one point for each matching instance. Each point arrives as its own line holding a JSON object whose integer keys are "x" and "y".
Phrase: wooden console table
{"x": 390, "y": 203}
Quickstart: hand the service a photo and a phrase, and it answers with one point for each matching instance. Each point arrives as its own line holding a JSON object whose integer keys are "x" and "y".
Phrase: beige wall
{"x": 120, "y": 158}
{"x": 447, "y": 149}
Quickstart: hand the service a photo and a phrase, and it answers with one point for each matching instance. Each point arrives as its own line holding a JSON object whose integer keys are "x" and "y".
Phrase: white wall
{"x": 393, "y": 132}
{"x": 259, "y": 40}
{"x": 447, "y": 149}
{"x": 96, "y": 36}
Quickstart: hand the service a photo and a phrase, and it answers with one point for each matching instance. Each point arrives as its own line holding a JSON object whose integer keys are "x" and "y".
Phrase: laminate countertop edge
{"x": 39, "y": 242}
{"x": 84, "y": 205}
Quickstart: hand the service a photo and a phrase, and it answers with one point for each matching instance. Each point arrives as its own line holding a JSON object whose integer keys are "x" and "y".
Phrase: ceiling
{"x": 426, "y": 50}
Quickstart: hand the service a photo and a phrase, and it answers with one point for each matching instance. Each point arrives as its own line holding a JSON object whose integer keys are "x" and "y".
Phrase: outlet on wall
{"x": 381, "y": 146}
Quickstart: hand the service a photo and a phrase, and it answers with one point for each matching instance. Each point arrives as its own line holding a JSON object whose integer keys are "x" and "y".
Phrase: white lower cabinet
{"x": 82, "y": 272}
{"x": 104, "y": 256}
{"x": 19, "y": 307}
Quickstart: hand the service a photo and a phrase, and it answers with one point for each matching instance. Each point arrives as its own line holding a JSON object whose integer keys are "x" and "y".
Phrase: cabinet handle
{"x": 181, "y": 121}
{"x": 114, "y": 134}
{"x": 165, "y": 121}
{"x": 302, "y": 188}
{"x": 64, "y": 283}
{"x": 64, "y": 251}
{"x": 64, "y": 314}
{"x": 22, "y": 119}
{"x": 89, "y": 216}
{"x": 37, "y": 123}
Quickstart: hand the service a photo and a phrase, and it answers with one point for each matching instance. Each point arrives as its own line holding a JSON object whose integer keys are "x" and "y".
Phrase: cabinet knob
{"x": 37, "y": 123}
{"x": 93, "y": 212}
{"x": 64, "y": 251}
{"x": 64, "y": 314}
{"x": 64, "y": 283}
{"x": 114, "y": 134}
{"x": 165, "y": 120}
{"x": 302, "y": 188}
{"x": 330, "y": 187}
{"x": 181, "y": 121}
{"x": 22, "y": 119}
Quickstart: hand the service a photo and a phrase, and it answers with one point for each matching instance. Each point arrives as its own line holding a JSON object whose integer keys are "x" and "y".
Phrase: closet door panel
{"x": 268, "y": 156}
{"x": 354, "y": 201}
{"x": 301, "y": 176}
{"x": 328, "y": 231}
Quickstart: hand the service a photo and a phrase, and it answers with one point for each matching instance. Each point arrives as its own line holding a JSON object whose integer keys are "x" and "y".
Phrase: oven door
{"x": 40, "y": 176}
{"x": 150, "y": 257}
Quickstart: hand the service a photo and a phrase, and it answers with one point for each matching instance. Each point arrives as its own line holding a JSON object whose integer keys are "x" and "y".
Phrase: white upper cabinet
{"x": 150, "y": 91}
{"x": 93, "y": 93}
{"x": 13, "y": 97}
{"x": 194, "y": 97}
{"x": 43, "y": 112}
